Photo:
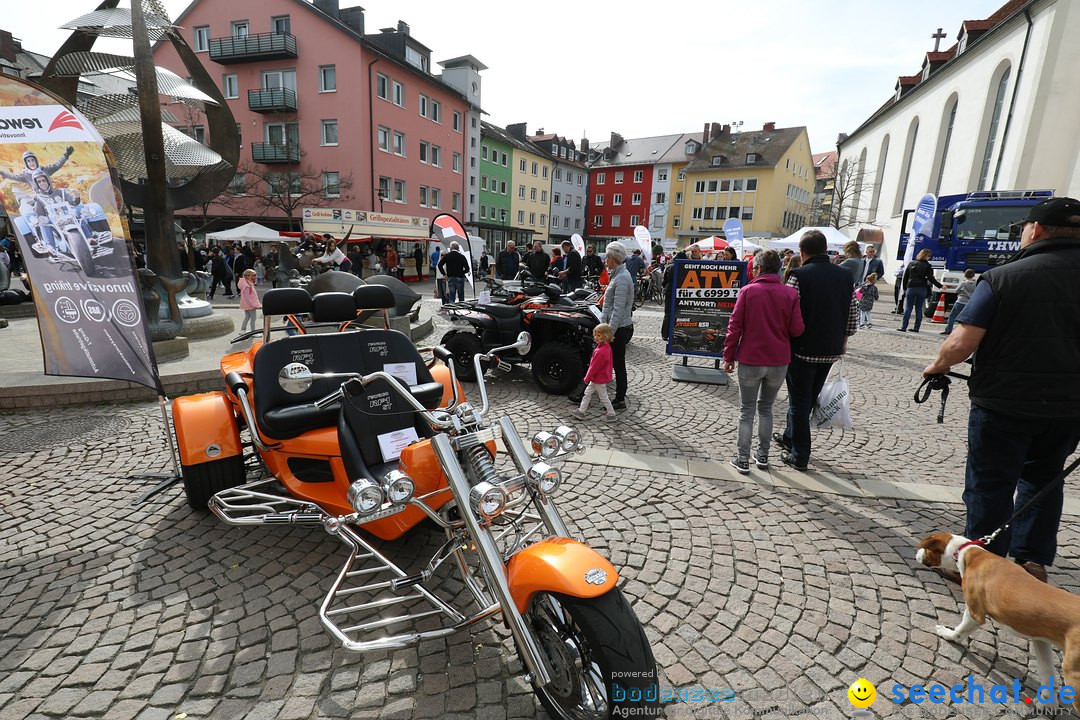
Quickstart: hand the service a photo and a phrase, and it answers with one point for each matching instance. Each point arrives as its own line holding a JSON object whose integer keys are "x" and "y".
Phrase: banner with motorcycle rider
{"x": 57, "y": 188}
{"x": 701, "y": 304}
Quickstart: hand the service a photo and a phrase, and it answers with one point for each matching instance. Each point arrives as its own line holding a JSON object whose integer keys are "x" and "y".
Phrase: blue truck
{"x": 972, "y": 231}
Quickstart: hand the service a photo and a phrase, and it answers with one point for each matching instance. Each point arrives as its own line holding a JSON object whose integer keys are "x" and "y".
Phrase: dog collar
{"x": 969, "y": 543}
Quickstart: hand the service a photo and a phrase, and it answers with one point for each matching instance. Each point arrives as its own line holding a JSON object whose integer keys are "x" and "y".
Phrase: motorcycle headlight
{"x": 545, "y": 444}
{"x": 569, "y": 438}
{"x": 488, "y": 501}
{"x": 365, "y": 496}
{"x": 399, "y": 487}
{"x": 544, "y": 478}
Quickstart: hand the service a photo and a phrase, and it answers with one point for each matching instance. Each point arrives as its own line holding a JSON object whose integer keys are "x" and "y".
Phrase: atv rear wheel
{"x": 80, "y": 248}
{"x": 202, "y": 481}
{"x": 463, "y": 346}
{"x": 557, "y": 368}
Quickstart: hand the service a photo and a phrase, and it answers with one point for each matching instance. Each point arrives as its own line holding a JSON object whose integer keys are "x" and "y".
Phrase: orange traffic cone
{"x": 939, "y": 311}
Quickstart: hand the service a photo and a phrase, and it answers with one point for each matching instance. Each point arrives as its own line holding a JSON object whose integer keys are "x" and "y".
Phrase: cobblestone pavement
{"x": 786, "y": 596}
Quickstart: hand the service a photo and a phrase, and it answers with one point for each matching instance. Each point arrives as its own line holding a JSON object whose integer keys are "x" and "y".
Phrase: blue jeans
{"x": 758, "y": 386}
{"x": 455, "y": 288}
{"x": 804, "y": 383}
{"x": 953, "y": 314}
{"x": 916, "y": 300}
{"x": 1010, "y": 456}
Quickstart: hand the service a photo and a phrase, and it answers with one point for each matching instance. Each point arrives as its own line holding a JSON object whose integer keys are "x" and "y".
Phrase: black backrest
{"x": 271, "y": 357}
{"x": 333, "y": 307}
{"x": 379, "y": 410}
{"x": 373, "y": 297}
{"x": 379, "y": 348}
{"x": 286, "y": 301}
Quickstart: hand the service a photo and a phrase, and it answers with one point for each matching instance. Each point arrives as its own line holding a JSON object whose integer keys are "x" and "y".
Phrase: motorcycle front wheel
{"x": 81, "y": 249}
{"x": 601, "y": 663}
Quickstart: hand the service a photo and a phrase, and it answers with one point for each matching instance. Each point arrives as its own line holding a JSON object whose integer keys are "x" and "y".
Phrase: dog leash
{"x": 937, "y": 382}
{"x": 987, "y": 539}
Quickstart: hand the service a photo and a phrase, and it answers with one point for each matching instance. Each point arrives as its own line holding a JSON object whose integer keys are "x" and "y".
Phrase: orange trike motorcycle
{"x": 365, "y": 435}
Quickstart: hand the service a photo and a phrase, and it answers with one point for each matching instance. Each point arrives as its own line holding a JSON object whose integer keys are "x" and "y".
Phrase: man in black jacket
{"x": 454, "y": 265}
{"x": 572, "y": 273}
{"x": 830, "y": 313}
{"x": 538, "y": 261}
{"x": 1023, "y": 326}
{"x": 508, "y": 262}
{"x": 592, "y": 263}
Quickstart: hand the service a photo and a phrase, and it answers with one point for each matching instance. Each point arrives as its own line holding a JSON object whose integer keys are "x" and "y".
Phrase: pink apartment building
{"x": 309, "y": 89}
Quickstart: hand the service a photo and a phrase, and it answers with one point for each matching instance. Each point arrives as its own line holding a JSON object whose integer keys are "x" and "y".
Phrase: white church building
{"x": 999, "y": 110}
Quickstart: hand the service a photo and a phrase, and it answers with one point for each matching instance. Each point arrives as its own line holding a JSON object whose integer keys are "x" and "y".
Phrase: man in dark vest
{"x": 1023, "y": 324}
{"x": 830, "y": 313}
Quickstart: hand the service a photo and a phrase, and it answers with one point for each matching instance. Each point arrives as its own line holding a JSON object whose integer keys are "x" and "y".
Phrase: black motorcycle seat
{"x": 500, "y": 311}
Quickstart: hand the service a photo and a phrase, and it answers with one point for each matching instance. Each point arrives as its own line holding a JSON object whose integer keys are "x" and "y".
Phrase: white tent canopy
{"x": 252, "y": 232}
{"x": 835, "y": 238}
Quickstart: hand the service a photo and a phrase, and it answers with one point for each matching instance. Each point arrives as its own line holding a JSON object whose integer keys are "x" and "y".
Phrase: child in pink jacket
{"x": 599, "y": 373}
{"x": 249, "y": 298}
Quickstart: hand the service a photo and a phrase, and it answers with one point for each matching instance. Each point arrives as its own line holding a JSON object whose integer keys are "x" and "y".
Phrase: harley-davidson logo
{"x": 596, "y": 576}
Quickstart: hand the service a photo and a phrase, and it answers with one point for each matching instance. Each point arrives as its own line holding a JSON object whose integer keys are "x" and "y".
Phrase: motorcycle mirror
{"x": 295, "y": 378}
{"x": 524, "y": 343}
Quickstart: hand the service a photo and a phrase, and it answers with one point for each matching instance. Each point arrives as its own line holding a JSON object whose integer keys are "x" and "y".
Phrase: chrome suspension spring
{"x": 480, "y": 464}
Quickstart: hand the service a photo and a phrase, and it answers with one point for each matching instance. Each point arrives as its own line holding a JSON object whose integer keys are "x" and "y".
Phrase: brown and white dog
{"x": 998, "y": 588}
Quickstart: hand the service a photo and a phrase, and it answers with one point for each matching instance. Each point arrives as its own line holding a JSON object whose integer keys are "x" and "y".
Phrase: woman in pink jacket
{"x": 766, "y": 316}
{"x": 249, "y": 299}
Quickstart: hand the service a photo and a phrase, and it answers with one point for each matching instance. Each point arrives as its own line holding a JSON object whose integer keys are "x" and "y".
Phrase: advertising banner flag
{"x": 644, "y": 241}
{"x": 701, "y": 305}
{"x": 579, "y": 244}
{"x": 924, "y": 215}
{"x": 447, "y": 229}
{"x": 733, "y": 233}
{"x": 56, "y": 186}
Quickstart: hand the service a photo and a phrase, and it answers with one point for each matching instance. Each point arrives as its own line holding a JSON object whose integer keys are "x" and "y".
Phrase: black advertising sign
{"x": 702, "y": 301}
{"x": 57, "y": 189}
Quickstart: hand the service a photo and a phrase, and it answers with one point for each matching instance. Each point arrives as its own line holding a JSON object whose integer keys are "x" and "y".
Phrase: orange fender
{"x": 559, "y": 565}
{"x": 206, "y": 428}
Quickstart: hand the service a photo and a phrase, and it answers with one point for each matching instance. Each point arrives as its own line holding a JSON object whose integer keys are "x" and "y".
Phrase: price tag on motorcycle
{"x": 596, "y": 313}
{"x": 485, "y": 297}
{"x": 405, "y": 372}
{"x": 392, "y": 443}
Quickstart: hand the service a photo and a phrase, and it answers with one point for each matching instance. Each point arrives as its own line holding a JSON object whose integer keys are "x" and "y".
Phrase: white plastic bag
{"x": 833, "y": 408}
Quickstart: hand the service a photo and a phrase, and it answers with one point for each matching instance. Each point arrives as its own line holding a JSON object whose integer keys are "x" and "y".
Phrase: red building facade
{"x": 618, "y": 199}
{"x": 317, "y": 99}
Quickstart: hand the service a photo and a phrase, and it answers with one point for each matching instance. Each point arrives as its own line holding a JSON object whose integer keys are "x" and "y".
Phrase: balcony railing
{"x": 267, "y": 153}
{"x": 274, "y": 100}
{"x": 251, "y": 48}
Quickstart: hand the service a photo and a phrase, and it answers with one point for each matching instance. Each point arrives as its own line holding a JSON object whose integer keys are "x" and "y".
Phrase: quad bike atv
{"x": 355, "y": 433}
{"x": 561, "y": 330}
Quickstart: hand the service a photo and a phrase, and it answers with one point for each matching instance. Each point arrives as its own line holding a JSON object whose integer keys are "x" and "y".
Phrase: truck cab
{"x": 973, "y": 230}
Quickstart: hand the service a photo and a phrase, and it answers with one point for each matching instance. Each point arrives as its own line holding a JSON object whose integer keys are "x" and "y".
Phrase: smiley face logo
{"x": 862, "y": 693}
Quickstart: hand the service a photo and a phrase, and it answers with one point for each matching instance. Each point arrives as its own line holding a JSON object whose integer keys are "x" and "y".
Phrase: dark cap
{"x": 1056, "y": 212}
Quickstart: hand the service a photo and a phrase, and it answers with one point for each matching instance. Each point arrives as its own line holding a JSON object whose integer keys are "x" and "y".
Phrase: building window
{"x": 436, "y": 198}
{"x": 699, "y": 186}
{"x": 202, "y": 38}
{"x": 545, "y": 173}
{"x": 423, "y": 105}
{"x": 557, "y": 174}
{"x": 676, "y": 222}
{"x": 554, "y": 221}
{"x": 238, "y": 186}
{"x": 696, "y": 213}
{"x": 399, "y": 191}
{"x": 521, "y": 191}
{"x": 483, "y": 182}
{"x": 712, "y": 186}
{"x": 399, "y": 144}
{"x": 534, "y": 168}
{"x": 230, "y": 87}
{"x": 382, "y": 86}
{"x": 505, "y": 159}
{"x": 639, "y": 176}
{"x": 483, "y": 212}
{"x": 384, "y": 188}
{"x": 616, "y": 221}
{"x": 424, "y": 147}
{"x": 327, "y": 78}
{"x": 521, "y": 165}
{"x": 635, "y": 220}
{"x": 532, "y": 194}
{"x": 502, "y": 187}
{"x": 436, "y": 156}
{"x": 399, "y": 94}
{"x": 601, "y": 178}
{"x": 992, "y": 131}
{"x": 661, "y": 198}
{"x": 543, "y": 196}
{"x": 751, "y": 185}
{"x": 736, "y": 185}
{"x": 578, "y": 201}
{"x": 682, "y": 175}
{"x": 457, "y": 162}
{"x": 566, "y": 200}
{"x": 483, "y": 152}
{"x": 436, "y": 111}
{"x": 635, "y": 199}
{"x": 521, "y": 217}
{"x": 543, "y": 218}
{"x": 555, "y": 199}
{"x": 423, "y": 196}
{"x": 329, "y": 132}
{"x": 678, "y": 198}
{"x": 240, "y": 29}
{"x": 733, "y": 212}
{"x": 599, "y": 200}
{"x": 751, "y": 158}
{"x": 661, "y": 175}
{"x": 616, "y": 199}
{"x": 596, "y": 221}
{"x": 384, "y": 139}
{"x": 280, "y": 25}
{"x": 618, "y": 178}
{"x": 275, "y": 79}
{"x": 455, "y": 202}
{"x": 708, "y": 213}
{"x": 748, "y": 213}
{"x": 331, "y": 184}
{"x": 502, "y": 214}
{"x": 457, "y": 121}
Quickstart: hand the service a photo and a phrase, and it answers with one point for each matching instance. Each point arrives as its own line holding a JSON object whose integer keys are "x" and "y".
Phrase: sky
{"x": 642, "y": 69}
